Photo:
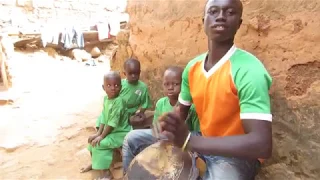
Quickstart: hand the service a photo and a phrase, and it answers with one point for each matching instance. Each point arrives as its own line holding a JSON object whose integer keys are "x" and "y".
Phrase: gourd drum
{"x": 162, "y": 161}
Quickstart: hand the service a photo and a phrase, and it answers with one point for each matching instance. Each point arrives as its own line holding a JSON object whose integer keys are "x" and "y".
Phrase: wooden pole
{"x": 3, "y": 68}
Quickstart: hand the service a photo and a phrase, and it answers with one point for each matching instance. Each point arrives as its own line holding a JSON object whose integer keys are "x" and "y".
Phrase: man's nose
{"x": 221, "y": 16}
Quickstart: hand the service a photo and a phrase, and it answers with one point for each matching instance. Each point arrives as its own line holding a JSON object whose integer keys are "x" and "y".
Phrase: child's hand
{"x": 92, "y": 137}
{"x": 137, "y": 119}
{"x": 96, "y": 141}
{"x": 140, "y": 114}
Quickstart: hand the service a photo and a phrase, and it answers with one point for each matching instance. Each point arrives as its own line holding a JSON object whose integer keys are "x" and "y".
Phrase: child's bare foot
{"x": 86, "y": 169}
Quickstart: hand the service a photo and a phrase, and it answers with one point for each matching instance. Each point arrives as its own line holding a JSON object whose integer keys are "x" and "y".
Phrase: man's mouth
{"x": 219, "y": 27}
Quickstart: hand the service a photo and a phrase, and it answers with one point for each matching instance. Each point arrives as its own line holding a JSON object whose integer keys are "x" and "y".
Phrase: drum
{"x": 163, "y": 161}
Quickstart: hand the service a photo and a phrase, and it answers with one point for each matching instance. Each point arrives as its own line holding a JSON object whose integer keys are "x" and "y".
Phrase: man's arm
{"x": 185, "y": 99}
{"x": 256, "y": 143}
{"x": 253, "y": 91}
{"x": 184, "y": 110}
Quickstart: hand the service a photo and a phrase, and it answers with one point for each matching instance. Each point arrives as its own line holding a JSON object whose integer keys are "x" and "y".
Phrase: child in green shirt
{"x": 171, "y": 87}
{"x": 137, "y": 140}
{"x": 113, "y": 126}
{"x": 135, "y": 92}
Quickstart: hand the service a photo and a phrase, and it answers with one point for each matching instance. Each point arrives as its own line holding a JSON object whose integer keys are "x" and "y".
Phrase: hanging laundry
{"x": 49, "y": 34}
{"x": 114, "y": 26}
{"x": 103, "y": 31}
{"x": 71, "y": 36}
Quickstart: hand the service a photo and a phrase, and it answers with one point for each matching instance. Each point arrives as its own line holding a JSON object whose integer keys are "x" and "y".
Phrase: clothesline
{"x": 90, "y": 37}
{"x": 38, "y": 33}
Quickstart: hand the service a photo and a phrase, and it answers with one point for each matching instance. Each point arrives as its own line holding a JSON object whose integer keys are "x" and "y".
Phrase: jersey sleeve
{"x": 185, "y": 95}
{"x": 253, "y": 91}
{"x": 115, "y": 113}
{"x": 146, "y": 100}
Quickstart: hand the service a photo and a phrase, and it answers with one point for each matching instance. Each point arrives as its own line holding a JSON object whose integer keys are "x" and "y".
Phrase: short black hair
{"x": 239, "y": 3}
{"x": 112, "y": 74}
{"x": 129, "y": 61}
{"x": 176, "y": 69}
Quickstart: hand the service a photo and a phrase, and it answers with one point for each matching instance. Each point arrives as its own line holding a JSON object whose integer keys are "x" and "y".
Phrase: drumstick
{"x": 156, "y": 128}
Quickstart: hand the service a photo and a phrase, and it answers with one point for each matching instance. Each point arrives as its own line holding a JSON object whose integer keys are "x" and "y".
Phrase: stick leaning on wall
{"x": 3, "y": 69}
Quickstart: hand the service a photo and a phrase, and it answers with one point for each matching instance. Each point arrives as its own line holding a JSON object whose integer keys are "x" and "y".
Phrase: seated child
{"x": 134, "y": 92}
{"x": 137, "y": 140}
{"x": 113, "y": 126}
{"x": 171, "y": 86}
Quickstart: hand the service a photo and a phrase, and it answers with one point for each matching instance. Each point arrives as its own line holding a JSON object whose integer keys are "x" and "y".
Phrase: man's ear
{"x": 102, "y": 87}
{"x": 240, "y": 23}
{"x": 202, "y": 20}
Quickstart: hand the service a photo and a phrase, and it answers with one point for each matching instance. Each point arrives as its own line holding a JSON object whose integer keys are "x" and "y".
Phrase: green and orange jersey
{"x": 235, "y": 88}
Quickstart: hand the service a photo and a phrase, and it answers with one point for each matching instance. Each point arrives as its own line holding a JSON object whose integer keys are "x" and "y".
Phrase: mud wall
{"x": 283, "y": 34}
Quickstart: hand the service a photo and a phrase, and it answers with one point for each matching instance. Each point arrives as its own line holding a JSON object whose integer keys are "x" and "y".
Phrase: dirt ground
{"x": 44, "y": 132}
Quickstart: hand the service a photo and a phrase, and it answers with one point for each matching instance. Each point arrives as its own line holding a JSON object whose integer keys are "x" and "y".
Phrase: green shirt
{"x": 135, "y": 96}
{"x": 115, "y": 115}
{"x": 163, "y": 105}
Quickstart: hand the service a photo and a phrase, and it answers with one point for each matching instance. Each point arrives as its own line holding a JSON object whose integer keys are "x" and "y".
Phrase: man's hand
{"x": 92, "y": 137}
{"x": 96, "y": 141}
{"x": 174, "y": 128}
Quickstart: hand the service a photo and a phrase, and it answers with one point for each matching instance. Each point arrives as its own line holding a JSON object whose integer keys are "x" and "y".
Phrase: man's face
{"x": 222, "y": 19}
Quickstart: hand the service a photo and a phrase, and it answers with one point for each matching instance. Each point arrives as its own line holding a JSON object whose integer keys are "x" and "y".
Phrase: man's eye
{"x": 108, "y": 85}
{"x": 212, "y": 11}
{"x": 230, "y": 11}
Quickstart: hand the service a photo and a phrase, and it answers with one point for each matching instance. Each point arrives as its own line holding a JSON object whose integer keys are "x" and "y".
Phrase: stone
{"x": 51, "y": 162}
{"x": 52, "y": 52}
{"x": 95, "y": 52}
{"x": 80, "y": 55}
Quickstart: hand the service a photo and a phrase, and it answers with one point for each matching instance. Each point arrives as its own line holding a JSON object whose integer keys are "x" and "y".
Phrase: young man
{"x": 135, "y": 92}
{"x": 229, "y": 88}
{"x": 138, "y": 140}
{"x": 113, "y": 127}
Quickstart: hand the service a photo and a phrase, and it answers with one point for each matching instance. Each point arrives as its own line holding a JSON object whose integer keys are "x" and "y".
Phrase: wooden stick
{"x": 3, "y": 69}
